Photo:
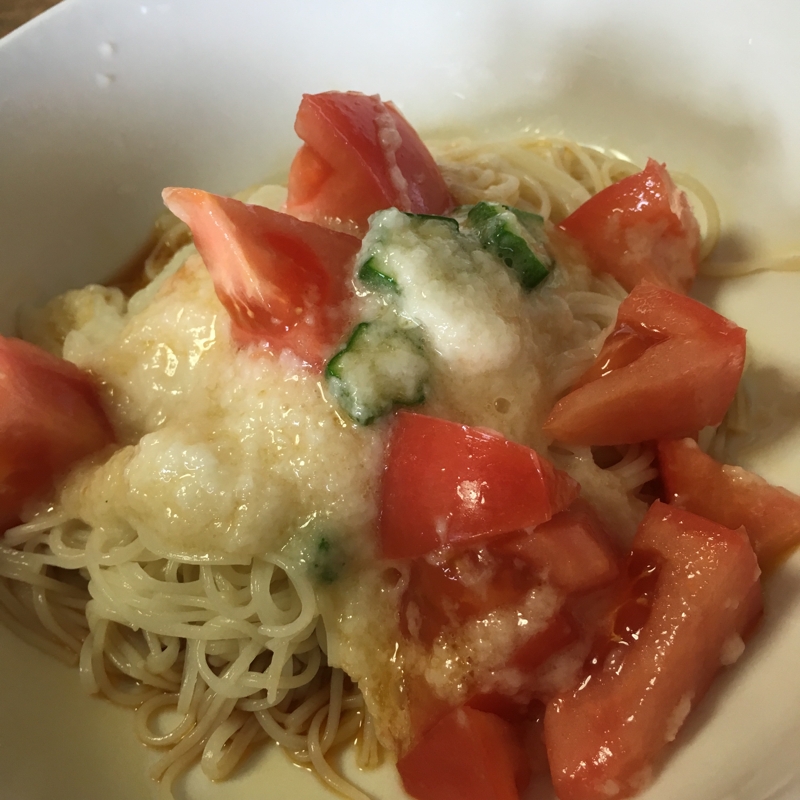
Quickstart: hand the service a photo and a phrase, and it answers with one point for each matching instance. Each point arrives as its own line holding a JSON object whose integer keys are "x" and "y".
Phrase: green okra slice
{"x": 327, "y": 561}
{"x": 375, "y": 271}
{"x": 383, "y": 365}
{"x": 516, "y": 237}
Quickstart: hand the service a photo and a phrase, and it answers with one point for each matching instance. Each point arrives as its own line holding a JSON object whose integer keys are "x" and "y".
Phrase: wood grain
{"x": 14, "y": 13}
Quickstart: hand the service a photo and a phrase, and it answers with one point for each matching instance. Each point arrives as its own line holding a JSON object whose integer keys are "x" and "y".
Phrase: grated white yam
{"x": 237, "y": 450}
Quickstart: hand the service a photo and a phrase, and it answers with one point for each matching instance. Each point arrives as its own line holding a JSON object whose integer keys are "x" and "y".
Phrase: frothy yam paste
{"x": 233, "y": 451}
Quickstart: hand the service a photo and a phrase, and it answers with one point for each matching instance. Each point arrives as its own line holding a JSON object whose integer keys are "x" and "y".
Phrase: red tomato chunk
{"x": 604, "y": 737}
{"x": 283, "y": 282}
{"x": 732, "y": 497}
{"x": 360, "y": 156}
{"x": 468, "y": 755}
{"x": 572, "y": 550}
{"x": 50, "y": 417}
{"x": 640, "y": 228}
{"x": 447, "y": 484}
{"x": 680, "y": 375}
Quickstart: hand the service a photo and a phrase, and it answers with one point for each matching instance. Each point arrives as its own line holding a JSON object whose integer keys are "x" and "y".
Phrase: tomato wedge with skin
{"x": 731, "y": 496}
{"x": 641, "y": 227}
{"x": 359, "y": 156}
{"x": 450, "y": 484}
{"x": 604, "y": 737}
{"x": 50, "y": 417}
{"x": 682, "y": 374}
{"x": 467, "y": 755}
{"x": 284, "y": 282}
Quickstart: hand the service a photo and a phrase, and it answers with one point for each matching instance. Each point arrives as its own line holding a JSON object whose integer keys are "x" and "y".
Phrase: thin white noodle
{"x": 593, "y": 305}
{"x": 212, "y": 715}
{"x": 713, "y": 223}
{"x": 43, "y": 522}
{"x": 164, "y": 651}
{"x": 635, "y": 468}
{"x": 735, "y": 269}
{"x": 368, "y": 751}
{"x": 300, "y": 716}
{"x": 320, "y": 764}
{"x": 27, "y": 633}
{"x": 227, "y": 744}
{"x": 308, "y": 603}
{"x": 46, "y": 613}
{"x": 157, "y": 705}
{"x": 172, "y": 771}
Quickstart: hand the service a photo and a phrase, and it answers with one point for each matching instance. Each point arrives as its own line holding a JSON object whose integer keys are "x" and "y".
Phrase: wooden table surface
{"x": 14, "y": 12}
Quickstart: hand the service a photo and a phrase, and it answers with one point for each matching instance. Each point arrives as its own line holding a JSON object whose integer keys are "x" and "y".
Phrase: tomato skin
{"x": 50, "y": 417}
{"x": 731, "y": 496}
{"x": 661, "y": 313}
{"x": 682, "y": 375}
{"x": 467, "y": 755}
{"x": 640, "y": 228}
{"x": 607, "y": 733}
{"x": 284, "y": 282}
{"x": 573, "y": 549}
{"x": 645, "y": 401}
{"x": 360, "y": 156}
{"x": 450, "y": 484}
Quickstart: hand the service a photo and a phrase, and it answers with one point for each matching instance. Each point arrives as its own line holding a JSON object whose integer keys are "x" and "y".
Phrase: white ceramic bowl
{"x": 104, "y": 102}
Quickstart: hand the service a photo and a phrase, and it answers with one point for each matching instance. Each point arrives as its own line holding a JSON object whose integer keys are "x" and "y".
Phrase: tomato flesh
{"x": 467, "y": 755}
{"x": 661, "y": 313}
{"x": 283, "y": 282}
{"x": 603, "y": 738}
{"x": 450, "y": 590}
{"x": 622, "y": 347}
{"x": 641, "y": 227}
{"x": 572, "y": 549}
{"x": 731, "y": 496}
{"x": 360, "y": 155}
{"x": 515, "y": 705}
{"x": 451, "y": 484}
{"x": 686, "y": 362}
{"x": 50, "y": 417}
